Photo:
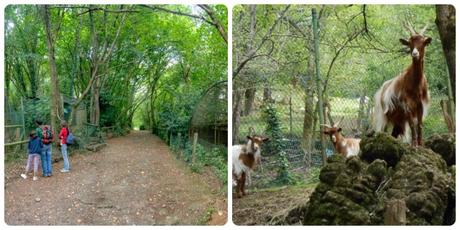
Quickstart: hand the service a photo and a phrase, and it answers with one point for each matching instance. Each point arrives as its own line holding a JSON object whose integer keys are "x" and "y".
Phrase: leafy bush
{"x": 214, "y": 157}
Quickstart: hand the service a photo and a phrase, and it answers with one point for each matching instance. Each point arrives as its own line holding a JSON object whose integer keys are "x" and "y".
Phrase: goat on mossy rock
{"x": 403, "y": 101}
{"x": 244, "y": 159}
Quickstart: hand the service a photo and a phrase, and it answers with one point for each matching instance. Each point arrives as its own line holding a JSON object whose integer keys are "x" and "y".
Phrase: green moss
{"x": 356, "y": 190}
{"x": 381, "y": 146}
{"x": 378, "y": 169}
{"x": 444, "y": 145}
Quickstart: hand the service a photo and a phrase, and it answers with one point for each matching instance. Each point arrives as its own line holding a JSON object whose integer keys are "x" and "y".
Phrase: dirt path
{"x": 269, "y": 206}
{"x": 134, "y": 180}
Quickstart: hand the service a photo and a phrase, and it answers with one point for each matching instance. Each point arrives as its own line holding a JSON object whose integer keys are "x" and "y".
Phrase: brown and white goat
{"x": 244, "y": 159}
{"x": 403, "y": 101}
{"x": 346, "y": 147}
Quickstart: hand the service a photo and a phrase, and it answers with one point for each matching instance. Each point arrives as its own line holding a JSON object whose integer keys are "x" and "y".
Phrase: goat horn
{"x": 338, "y": 123}
{"x": 423, "y": 30}
{"x": 409, "y": 26}
{"x": 325, "y": 125}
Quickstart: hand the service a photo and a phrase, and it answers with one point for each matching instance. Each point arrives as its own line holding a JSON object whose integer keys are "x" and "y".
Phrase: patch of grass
{"x": 196, "y": 168}
{"x": 14, "y": 157}
{"x": 206, "y": 217}
{"x": 313, "y": 175}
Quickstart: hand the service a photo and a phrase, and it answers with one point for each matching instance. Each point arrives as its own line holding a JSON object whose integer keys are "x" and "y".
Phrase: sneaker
{"x": 24, "y": 176}
{"x": 35, "y": 178}
{"x": 64, "y": 170}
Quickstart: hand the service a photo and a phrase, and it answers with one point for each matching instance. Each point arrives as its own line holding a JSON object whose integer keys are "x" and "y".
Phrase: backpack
{"x": 70, "y": 138}
{"x": 48, "y": 135}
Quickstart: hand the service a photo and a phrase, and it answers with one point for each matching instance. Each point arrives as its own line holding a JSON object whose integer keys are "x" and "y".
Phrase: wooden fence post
{"x": 395, "y": 212}
{"x": 195, "y": 139}
{"x": 24, "y": 135}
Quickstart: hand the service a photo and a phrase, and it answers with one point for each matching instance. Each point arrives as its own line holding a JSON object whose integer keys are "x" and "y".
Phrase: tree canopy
{"x": 116, "y": 60}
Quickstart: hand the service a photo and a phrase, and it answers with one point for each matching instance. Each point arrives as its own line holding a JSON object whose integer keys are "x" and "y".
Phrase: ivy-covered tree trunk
{"x": 56, "y": 109}
{"x": 276, "y": 145}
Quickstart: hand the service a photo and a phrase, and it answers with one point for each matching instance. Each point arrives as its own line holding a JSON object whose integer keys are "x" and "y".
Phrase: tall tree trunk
{"x": 237, "y": 104}
{"x": 309, "y": 114}
{"x": 56, "y": 109}
{"x": 445, "y": 21}
{"x": 94, "y": 118}
{"x": 249, "y": 96}
{"x": 96, "y": 111}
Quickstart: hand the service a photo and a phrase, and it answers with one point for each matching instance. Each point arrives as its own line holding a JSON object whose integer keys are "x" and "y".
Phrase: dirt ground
{"x": 264, "y": 207}
{"x": 135, "y": 180}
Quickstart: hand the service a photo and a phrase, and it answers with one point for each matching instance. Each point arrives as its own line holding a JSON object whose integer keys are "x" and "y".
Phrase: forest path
{"x": 134, "y": 180}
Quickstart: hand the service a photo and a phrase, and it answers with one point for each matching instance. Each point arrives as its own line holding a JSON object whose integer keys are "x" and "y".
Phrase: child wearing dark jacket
{"x": 34, "y": 148}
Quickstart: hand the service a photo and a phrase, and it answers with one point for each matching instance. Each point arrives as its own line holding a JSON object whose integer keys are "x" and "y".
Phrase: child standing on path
{"x": 47, "y": 137}
{"x": 34, "y": 149}
{"x": 39, "y": 133}
{"x": 63, "y": 136}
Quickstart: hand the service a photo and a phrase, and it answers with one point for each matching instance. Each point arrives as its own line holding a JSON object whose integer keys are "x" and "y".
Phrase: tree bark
{"x": 309, "y": 114}
{"x": 215, "y": 21}
{"x": 237, "y": 103}
{"x": 97, "y": 60}
{"x": 267, "y": 94}
{"x": 56, "y": 109}
{"x": 445, "y": 21}
{"x": 249, "y": 96}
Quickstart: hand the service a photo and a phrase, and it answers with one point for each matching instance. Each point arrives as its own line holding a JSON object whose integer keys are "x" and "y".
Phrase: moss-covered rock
{"x": 360, "y": 190}
{"x": 444, "y": 145}
{"x": 381, "y": 146}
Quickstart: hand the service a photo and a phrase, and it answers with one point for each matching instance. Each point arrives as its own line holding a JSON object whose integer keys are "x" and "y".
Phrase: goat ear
{"x": 249, "y": 137}
{"x": 339, "y": 130}
{"x": 427, "y": 41}
{"x": 265, "y": 139}
{"x": 404, "y": 42}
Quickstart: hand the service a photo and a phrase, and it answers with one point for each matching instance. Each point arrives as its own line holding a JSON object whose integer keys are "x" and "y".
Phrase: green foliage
{"x": 276, "y": 145}
{"x": 313, "y": 175}
{"x": 214, "y": 157}
{"x": 160, "y": 64}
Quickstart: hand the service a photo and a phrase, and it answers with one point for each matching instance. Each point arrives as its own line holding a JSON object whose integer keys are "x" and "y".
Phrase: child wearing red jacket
{"x": 63, "y": 136}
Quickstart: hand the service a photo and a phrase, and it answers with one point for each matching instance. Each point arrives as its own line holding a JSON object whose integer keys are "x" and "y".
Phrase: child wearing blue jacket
{"x": 34, "y": 148}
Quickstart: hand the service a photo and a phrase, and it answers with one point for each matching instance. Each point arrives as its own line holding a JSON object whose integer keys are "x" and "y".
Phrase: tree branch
{"x": 215, "y": 22}
{"x": 159, "y": 8}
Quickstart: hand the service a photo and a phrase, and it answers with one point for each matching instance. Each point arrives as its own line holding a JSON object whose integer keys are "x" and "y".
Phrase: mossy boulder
{"x": 444, "y": 145}
{"x": 382, "y": 146}
{"x": 364, "y": 190}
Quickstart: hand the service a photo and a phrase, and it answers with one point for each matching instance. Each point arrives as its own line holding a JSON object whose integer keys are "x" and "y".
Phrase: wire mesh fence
{"x": 203, "y": 140}
{"x": 20, "y": 116}
{"x": 298, "y": 114}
